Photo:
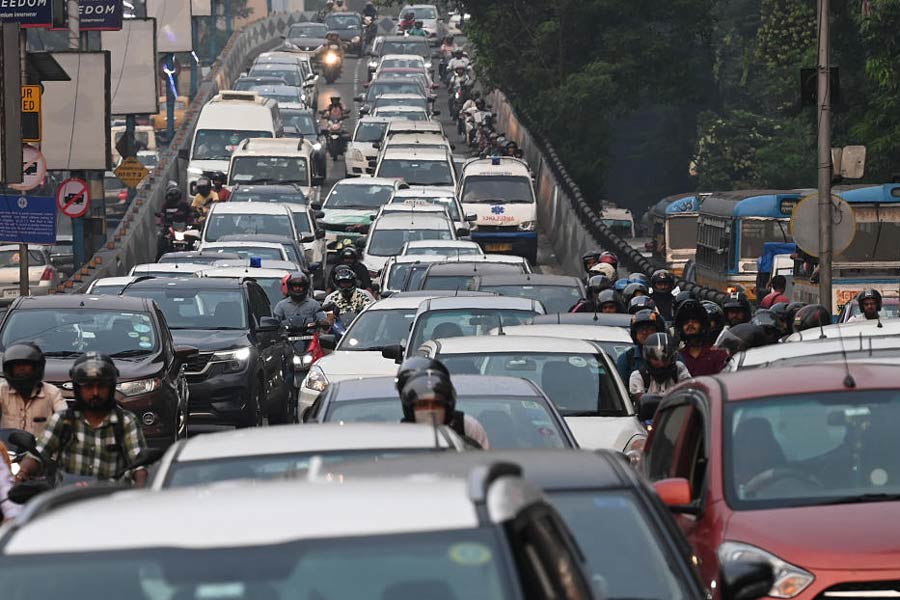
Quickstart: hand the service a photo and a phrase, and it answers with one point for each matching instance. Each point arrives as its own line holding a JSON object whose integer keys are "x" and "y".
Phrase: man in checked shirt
{"x": 95, "y": 438}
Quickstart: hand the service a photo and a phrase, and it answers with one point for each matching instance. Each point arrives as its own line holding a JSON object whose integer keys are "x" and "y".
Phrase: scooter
{"x": 336, "y": 137}
{"x": 332, "y": 64}
{"x": 182, "y": 237}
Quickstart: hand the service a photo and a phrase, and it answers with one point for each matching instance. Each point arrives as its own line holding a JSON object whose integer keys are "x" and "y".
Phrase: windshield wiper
{"x": 63, "y": 353}
{"x": 221, "y": 328}
{"x": 861, "y": 498}
{"x": 131, "y": 353}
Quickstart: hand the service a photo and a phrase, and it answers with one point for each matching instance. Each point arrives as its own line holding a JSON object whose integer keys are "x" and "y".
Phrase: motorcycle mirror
{"x": 327, "y": 341}
{"x": 319, "y": 295}
{"x": 358, "y": 98}
{"x": 435, "y": 113}
{"x": 24, "y": 441}
{"x": 319, "y": 214}
{"x": 361, "y": 241}
{"x": 393, "y": 352}
{"x": 308, "y": 239}
{"x": 315, "y": 267}
{"x": 316, "y": 205}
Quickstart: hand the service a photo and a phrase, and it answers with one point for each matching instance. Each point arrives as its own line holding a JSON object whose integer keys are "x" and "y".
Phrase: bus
{"x": 673, "y": 229}
{"x": 872, "y": 260}
{"x": 731, "y": 230}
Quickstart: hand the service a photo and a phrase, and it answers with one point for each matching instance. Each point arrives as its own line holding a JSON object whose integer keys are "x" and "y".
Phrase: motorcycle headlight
{"x": 296, "y": 360}
{"x": 317, "y": 146}
{"x": 138, "y": 386}
{"x": 355, "y": 39}
{"x": 526, "y": 226}
{"x": 316, "y": 380}
{"x": 790, "y": 580}
{"x": 235, "y": 360}
{"x": 331, "y": 58}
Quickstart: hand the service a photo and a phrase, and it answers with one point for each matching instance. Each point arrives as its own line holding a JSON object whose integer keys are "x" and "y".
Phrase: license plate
{"x": 498, "y": 247}
{"x": 10, "y": 293}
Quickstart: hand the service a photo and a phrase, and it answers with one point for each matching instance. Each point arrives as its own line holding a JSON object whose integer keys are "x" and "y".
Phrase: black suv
{"x": 132, "y": 331}
{"x": 238, "y": 375}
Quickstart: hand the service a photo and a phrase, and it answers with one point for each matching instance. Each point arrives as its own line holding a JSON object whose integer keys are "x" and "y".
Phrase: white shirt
{"x": 636, "y": 382}
{"x": 473, "y": 429}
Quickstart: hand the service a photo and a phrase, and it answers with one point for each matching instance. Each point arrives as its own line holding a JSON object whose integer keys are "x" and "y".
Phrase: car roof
{"x": 369, "y": 119}
{"x": 197, "y": 282}
{"x": 440, "y": 293}
{"x": 530, "y": 279}
{"x": 254, "y": 272}
{"x": 266, "y": 263}
{"x": 440, "y": 244}
{"x": 804, "y": 379}
{"x": 114, "y": 281}
{"x": 507, "y": 166}
{"x": 512, "y": 343}
{"x": 85, "y": 301}
{"x": 179, "y": 267}
{"x": 242, "y": 208}
{"x": 282, "y": 88}
{"x": 397, "y": 302}
{"x": 471, "y": 268}
{"x": 322, "y": 437}
{"x": 390, "y": 507}
{"x": 849, "y": 331}
{"x": 612, "y": 320}
{"x": 416, "y": 258}
{"x": 284, "y": 188}
{"x": 481, "y": 302}
{"x": 402, "y": 56}
{"x": 856, "y": 348}
{"x": 243, "y": 244}
{"x": 550, "y": 469}
{"x": 412, "y": 220}
{"x": 410, "y": 153}
{"x": 366, "y": 388}
{"x": 404, "y": 38}
{"x": 593, "y": 333}
{"x": 367, "y": 181}
{"x": 262, "y": 238}
{"x": 190, "y": 254}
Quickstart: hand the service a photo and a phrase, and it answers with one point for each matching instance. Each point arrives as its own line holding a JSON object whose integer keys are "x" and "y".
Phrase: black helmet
{"x": 682, "y": 297}
{"x": 418, "y": 364}
{"x": 298, "y": 286}
{"x": 610, "y": 297}
{"x": 344, "y": 274}
{"x": 639, "y": 303}
{"x": 812, "y": 315}
{"x": 660, "y": 347}
{"x": 662, "y": 277}
{"x": 646, "y": 317}
{"x": 781, "y": 313}
{"x": 869, "y": 294}
{"x": 792, "y": 309}
{"x": 94, "y": 367}
{"x": 737, "y": 301}
{"x": 742, "y": 336}
{"x": 692, "y": 310}
{"x": 427, "y": 385}
{"x": 173, "y": 196}
{"x": 349, "y": 252}
{"x": 24, "y": 352}
{"x": 765, "y": 319}
{"x": 716, "y": 319}
{"x": 599, "y": 283}
{"x": 218, "y": 177}
{"x": 633, "y": 289}
{"x": 204, "y": 186}
{"x": 589, "y": 259}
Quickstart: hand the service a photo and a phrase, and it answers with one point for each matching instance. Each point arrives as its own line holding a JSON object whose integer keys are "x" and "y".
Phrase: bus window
{"x": 755, "y": 232}
{"x": 873, "y": 242}
{"x": 682, "y": 233}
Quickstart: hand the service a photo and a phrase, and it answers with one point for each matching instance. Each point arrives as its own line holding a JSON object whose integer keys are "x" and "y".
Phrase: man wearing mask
{"x": 644, "y": 323}
{"x": 698, "y": 354}
{"x": 662, "y": 282}
{"x": 26, "y": 402}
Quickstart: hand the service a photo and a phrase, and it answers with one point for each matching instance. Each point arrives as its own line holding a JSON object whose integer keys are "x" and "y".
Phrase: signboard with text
{"x": 99, "y": 15}
{"x": 27, "y": 220}
{"x": 27, "y": 13}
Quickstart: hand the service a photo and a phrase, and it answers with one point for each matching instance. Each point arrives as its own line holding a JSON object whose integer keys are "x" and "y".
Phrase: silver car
{"x": 42, "y": 275}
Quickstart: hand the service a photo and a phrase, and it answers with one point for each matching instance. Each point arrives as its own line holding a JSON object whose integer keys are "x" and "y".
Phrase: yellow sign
{"x": 31, "y": 113}
{"x": 132, "y": 172}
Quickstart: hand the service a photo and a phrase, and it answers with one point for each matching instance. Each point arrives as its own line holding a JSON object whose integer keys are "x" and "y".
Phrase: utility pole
{"x": 23, "y": 248}
{"x": 79, "y": 248}
{"x": 824, "y": 156}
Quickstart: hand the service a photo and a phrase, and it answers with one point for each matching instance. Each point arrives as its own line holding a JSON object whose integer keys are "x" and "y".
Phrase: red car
{"x": 799, "y": 467}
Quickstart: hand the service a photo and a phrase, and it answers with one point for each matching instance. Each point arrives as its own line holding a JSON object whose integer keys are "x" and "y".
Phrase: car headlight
{"x": 790, "y": 580}
{"x": 527, "y": 225}
{"x": 357, "y": 155}
{"x": 355, "y": 39}
{"x": 317, "y": 146}
{"x": 235, "y": 360}
{"x": 138, "y": 386}
{"x": 316, "y": 380}
{"x": 634, "y": 450}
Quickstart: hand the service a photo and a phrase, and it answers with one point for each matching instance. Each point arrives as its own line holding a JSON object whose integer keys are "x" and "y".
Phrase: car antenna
{"x": 500, "y": 328}
{"x": 849, "y": 382}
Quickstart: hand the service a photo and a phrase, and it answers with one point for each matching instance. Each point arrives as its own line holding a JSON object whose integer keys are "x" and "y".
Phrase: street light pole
{"x": 824, "y": 157}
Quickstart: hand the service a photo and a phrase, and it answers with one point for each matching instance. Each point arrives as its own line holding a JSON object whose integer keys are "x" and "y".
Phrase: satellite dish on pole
{"x": 805, "y": 224}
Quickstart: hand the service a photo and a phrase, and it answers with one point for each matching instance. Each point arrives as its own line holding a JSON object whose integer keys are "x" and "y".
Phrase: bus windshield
{"x": 755, "y": 232}
{"x": 682, "y": 233}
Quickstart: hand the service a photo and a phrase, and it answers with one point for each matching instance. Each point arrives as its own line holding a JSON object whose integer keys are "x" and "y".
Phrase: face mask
{"x": 347, "y": 292}
{"x": 434, "y": 416}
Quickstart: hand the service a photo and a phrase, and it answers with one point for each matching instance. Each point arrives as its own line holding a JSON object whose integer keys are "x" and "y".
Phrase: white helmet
{"x": 604, "y": 269}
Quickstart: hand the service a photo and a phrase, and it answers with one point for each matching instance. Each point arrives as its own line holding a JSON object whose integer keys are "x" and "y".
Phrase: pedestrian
{"x": 779, "y": 283}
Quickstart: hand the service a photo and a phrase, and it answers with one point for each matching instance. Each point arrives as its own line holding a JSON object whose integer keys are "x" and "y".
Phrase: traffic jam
{"x": 357, "y": 369}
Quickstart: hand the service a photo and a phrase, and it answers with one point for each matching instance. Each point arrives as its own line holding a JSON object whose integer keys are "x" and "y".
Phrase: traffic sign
{"x": 31, "y": 113}
{"x": 132, "y": 172}
{"x": 34, "y": 169}
{"x": 805, "y": 224}
{"x": 73, "y": 197}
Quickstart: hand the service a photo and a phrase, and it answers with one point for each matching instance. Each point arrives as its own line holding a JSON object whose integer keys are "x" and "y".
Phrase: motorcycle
{"x": 303, "y": 338}
{"x": 174, "y": 233}
{"x": 335, "y": 136}
{"x": 332, "y": 63}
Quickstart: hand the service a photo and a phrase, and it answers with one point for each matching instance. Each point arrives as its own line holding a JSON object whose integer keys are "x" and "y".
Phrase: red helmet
{"x": 610, "y": 258}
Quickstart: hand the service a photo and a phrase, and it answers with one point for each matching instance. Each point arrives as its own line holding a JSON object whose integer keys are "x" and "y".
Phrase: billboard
{"x": 132, "y": 61}
{"x": 173, "y": 24}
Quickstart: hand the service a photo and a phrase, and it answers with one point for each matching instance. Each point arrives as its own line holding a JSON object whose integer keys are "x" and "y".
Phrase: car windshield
{"x": 465, "y": 563}
{"x": 405, "y": 62}
{"x": 447, "y": 282}
{"x": 449, "y": 204}
{"x": 374, "y": 329}
{"x": 244, "y": 84}
{"x": 262, "y": 252}
{"x": 497, "y": 188}
{"x": 187, "y": 308}
{"x": 578, "y": 384}
{"x": 369, "y": 132}
{"x": 263, "y": 195}
{"x": 359, "y": 196}
{"x": 389, "y": 242}
{"x": 823, "y": 448}
{"x": 510, "y": 422}
{"x": 278, "y": 95}
{"x": 442, "y": 251}
{"x": 308, "y": 30}
{"x": 439, "y": 324}
{"x": 269, "y": 169}
{"x": 555, "y": 298}
{"x": 208, "y": 259}
{"x": 107, "y": 290}
{"x": 380, "y": 88}
{"x": 417, "y": 172}
{"x": 637, "y": 569}
{"x": 422, "y": 12}
{"x": 301, "y": 221}
{"x": 291, "y": 76}
{"x": 218, "y": 144}
{"x": 11, "y": 258}
{"x": 390, "y": 113}
{"x": 302, "y": 120}
{"x": 417, "y": 102}
{"x": 67, "y": 332}
{"x": 342, "y": 21}
{"x": 231, "y": 224}
{"x": 406, "y": 47}
{"x": 146, "y": 272}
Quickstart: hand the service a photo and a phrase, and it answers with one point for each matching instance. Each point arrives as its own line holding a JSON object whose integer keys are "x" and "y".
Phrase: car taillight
{"x": 123, "y": 195}
{"x": 47, "y": 275}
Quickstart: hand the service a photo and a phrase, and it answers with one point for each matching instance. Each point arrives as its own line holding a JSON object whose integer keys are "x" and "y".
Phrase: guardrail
{"x": 134, "y": 239}
{"x": 577, "y": 228}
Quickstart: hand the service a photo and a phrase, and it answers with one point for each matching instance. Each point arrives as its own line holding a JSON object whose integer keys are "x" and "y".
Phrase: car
{"x": 308, "y": 37}
{"x": 848, "y": 331}
{"x": 402, "y": 61}
{"x": 111, "y": 286}
{"x": 577, "y": 375}
{"x": 602, "y": 500}
{"x": 420, "y": 75}
{"x": 399, "y": 44}
{"x": 166, "y": 269}
{"x": 271, "y": 452}
{"x": 461, "y": 274}
{"x": 432, "y": 167}
{"x": 349, "y": 208}
{"x": 421, "y": 140}
{"x": 42, "y": 275}
{"x": 349, "y": 26}
{"x": 268, "y": 279}
{"x": 558, "y": 293}
{"x": 882, "y": 349}
{"x": 238, "y": 376}
{"x": 411, "y": 113}
{"x": 277, "y": 161}
{"x": 408, "y": 100}
{"x": 435, "y": 27}
{"x": 403, "y": 273}
{"x": 132, "y": 331}
{"x": 284, "y": 193}
{"x": 282, "y": 94}
{"x": 613, "y": 340}
{"x": 363, "y": 145}
{"x": 391, "y": 231}
{"x": 245, "y": 83}
{"x": 358, "y": 354}
{"x": 230, "y": 218}
{"x": 390, "y": 86}
{"x": 311, "y": 238}
{"x": 292, "y": 73}
{"x": 601, "y": 319}
{"x": 303, "y": 122}
{"x": 248, "y": 249}
{"x": 291, "y": 59}
{"x": 294, "y": 249}
{"x": 62, "y": 255}
{"x": 437, "y": 539}
{"x": 441, "y": 248}
{"x": 160, "y": 119}
{"x": 514, "y": 412}
{"x": 781, "y": 472}
{"x": 196, "y": 257}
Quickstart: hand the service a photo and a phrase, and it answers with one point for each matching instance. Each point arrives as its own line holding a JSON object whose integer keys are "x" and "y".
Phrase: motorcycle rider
{"x": 610, "y": 302}
{"x": 698, "y": 355}
{"x": 737, "y": 309}
{"x": 96, "y": 437}
{"x": 218, "y": 180}
{"x": 299, "y": 308}
{"x": 428, "y": 396}
{"x": 417, "y": 29}
{"x": 634, "y": 290}
{"x": 175, "y": 210}
{"x": 597, "y": 285}
{"x": 661, "y": 370}
{"x": 870, "y": 304}
{"x": 661, "y": 283}
{"x": 350, "y": 257}
{"x": 204, "y": 198}
{"x": 811, "y": 315}
{"x": 348, "y": 298}
{"x": 716, "y": 319}
{"x": 408, "y": 21}
{"x": 639, "y": 303}
{"x": 26, "y": 402}
{"x": 644, "y": 323}
{"x": 370, "y": 10}
{"x": 335, "y": 110}
{"x": 589, "y": 259}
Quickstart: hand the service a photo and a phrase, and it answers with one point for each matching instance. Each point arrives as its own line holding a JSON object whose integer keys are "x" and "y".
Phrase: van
{"x": 226, "y": 120}
{"x": 267, "y": 161}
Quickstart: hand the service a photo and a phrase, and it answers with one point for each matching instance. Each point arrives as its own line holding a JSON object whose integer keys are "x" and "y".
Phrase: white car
{"x": 883, "y": 349}
{"x": 401, "y": 112}
{"x": 273, "y": 452}
{"x": 358, "y": 354}
{"x": 311, "y": 234}
{"x": 441, "y": 248}
{"x": 167, "y": 269}
{"x": 350, "y": 206}
{"x": 42, "y": 275}
{"x": 109, "y": 286}
{"x": 440, "y": 195}
{"x": 577, "y": 375}
{"x": 361, "y": 147}
{"x": 261, "y": 250}
{"x": 401, "y": 273}
{"x": 849, "y": 331}
{"x": 234, "y": 218}
{"x": 391, "y": 231}
{"x": 268, "y": 279}
{"x": 418, "y": 167}
{"x": 613, "y": 340}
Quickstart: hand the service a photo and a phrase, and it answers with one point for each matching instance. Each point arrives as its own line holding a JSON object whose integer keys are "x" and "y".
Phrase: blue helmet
{"x": 621, "y": 284}
{"x": 639, "y": 278}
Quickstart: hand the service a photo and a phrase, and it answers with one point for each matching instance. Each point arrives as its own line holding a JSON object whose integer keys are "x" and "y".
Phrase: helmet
{"x": 680, "y": 298}
{"x": 329, "y": 2}
{"x": 660, "y": 347}
{"x": 342, "y": 275}
{"x": 349, "y": 252}
{"x": 620, "y": 285}
{"x": 792, "y": 309}
{"x": 409, "y": 15}
{"x": 339, "y": 2}
{"x": 204, "y": 186}
{"x": 589, "y": 259}
{"x": 639, "y": 303}
{"x": 610, "y": 259}
{"x": 415, "y": 365}
{"x": 335, "y": 100}
{"x": 598, "y": 283}
{"x": 639, "y": 278}
{"x": 458, "y": 53}
{"x": 610, "y": 297}
{"x": 771, "y": 326}
{"x": 737, "y": 301}
{"x": 297, "y": 286}
{"x": 662, "y": 277}
{"x": 24, "y": 353}
{"x": 742, "y": 336}
{"x": 603, "y": 269}
{"x": 635, "y": 289}
{"x": 427, "y": 385}
{"x": 173, "y": 196}
{"x": 646, "y": 317}
{"x": 780, "y": 311}
{"x": 419, "y": 24}
{"x": 692, "y": 310}
{"x": 812, "y": 315}
{"x": 716, "y": 319}
{"x": 93, "y": 367}
{"x": 870, "y": 294}
{"x": 218, "y": 177}
{"x": 480, "y": 104}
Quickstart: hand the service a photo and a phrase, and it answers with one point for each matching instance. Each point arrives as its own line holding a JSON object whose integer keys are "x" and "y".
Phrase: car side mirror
{"x": 315, "y": 267}
{"x": 436, "y": 113}
{"x": 327, "y": 341}
{"x": 364, "y": 111}
{"x": 183, "y": 353}
{"x": 746, "y": 579}
{"x": 359, "y": 98}
{"x": 387, "y": 293}
{"x": 649, "y": 403}
{"x": 308, "y": 239}
{"x": 393, "y": 352}
{"x": 319, "y": 295}
{"x": 471, "y": 218}
{"x": 676, "y": 494}
{"x": 267, "y": 324}
{"x": 462, "y": 231}
{"x": 316, "y": 206}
